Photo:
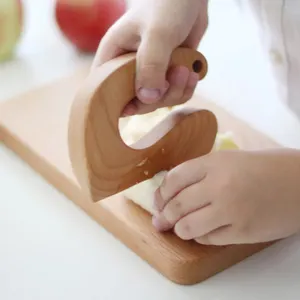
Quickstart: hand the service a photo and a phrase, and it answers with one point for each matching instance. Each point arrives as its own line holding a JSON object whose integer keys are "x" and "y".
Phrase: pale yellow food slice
{"x": 225, "y": 141}
{"x": 142, "y": 193}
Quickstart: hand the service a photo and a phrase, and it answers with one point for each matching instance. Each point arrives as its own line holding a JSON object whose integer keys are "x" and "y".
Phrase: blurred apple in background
{"x": 11, "y": 23}
{"x": 85, "y": 22}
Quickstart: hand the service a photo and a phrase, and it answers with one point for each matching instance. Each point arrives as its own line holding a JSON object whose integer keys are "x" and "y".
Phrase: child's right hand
{"x": 154, "y": 28}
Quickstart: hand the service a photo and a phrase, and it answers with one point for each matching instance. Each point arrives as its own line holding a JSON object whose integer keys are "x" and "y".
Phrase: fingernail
{"x": 149, "y": 95}
{"x": 127, "y": 114}
{"x": 160, "y": 223}
{"x": 129, "y": 110}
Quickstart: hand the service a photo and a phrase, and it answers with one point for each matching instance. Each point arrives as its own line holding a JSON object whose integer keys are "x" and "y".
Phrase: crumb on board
{"x": 142, "y": 162}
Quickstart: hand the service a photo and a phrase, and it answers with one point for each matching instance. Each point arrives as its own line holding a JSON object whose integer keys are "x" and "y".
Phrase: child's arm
{"x": 154, "y": 29}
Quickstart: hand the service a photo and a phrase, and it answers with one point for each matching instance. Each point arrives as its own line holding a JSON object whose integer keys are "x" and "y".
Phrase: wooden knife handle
{"x": 103, "y": 164}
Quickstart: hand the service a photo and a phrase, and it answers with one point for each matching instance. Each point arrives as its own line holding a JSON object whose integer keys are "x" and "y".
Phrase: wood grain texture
{"x": 35, "y": 126}
{"x": 104, "y": 165}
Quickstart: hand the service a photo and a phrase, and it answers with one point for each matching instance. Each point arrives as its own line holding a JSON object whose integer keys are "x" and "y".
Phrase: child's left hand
{"x": 232, "y": 197}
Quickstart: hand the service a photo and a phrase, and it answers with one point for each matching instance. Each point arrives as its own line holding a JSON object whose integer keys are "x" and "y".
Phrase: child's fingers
{"x": 182, "y": 85}
{"x": 131, "y": 108}
{"x": 190, "y": 87}
{"x": 160, "y": 223}
{"x": 188, "y": 200}
{"x": 179, "y": 178}
{"x": 178, "y": 79}
{"x": 199, "y": 223}
{"x": 117, "y": 41}
{"x": 199, "y": 28}
{"x": 153, "y": 58}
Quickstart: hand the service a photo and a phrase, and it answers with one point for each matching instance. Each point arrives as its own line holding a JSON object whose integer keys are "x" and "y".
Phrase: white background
{"x": 51, "y": 250}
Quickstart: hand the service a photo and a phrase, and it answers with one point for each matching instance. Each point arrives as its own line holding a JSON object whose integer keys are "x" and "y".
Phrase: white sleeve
{"x": 279, "y": 21}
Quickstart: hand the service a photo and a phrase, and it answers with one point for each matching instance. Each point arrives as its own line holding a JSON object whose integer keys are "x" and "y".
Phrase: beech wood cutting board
{"x": 34, "y": 126}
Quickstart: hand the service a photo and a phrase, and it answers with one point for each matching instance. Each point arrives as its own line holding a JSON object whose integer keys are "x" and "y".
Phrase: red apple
{"x": 85, "y": 22}
{"x": 11, "y": 24}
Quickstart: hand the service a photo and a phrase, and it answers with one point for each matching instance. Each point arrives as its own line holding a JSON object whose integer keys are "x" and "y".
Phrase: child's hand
{"x": 232, "y": 197}
{"x": 154, "y": 29}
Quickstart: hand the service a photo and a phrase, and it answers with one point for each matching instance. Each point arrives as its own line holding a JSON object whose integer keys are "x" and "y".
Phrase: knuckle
{"x": 173, "y": 210}
{"x": 129, "y": 20}
{"x": 160, "y": 32}
{"x": 243, "y": 227}
{"x": 148, "y": 68}
{"x": 242, "y": 230}
{"x": 227, "y": 181}
{"x": 151, "y": 70}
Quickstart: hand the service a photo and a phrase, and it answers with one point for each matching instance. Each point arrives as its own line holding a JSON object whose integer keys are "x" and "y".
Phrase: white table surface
{"x": 50, "y": 249}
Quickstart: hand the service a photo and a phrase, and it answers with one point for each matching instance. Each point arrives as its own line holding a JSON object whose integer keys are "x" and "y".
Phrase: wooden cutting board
{"x": 34, "y": 126}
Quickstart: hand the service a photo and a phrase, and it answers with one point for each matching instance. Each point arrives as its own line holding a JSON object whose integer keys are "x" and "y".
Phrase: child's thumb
{"x": 153, "y": 57}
